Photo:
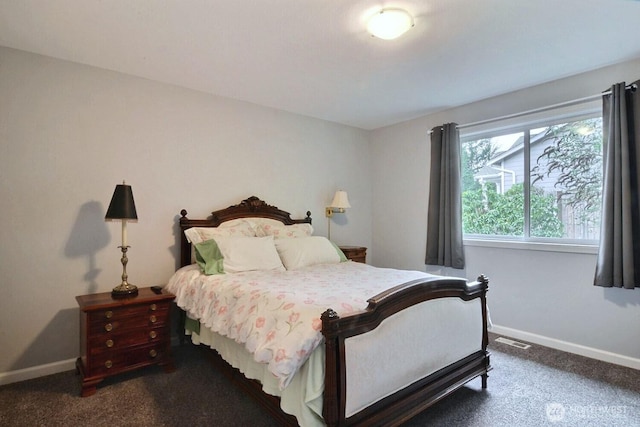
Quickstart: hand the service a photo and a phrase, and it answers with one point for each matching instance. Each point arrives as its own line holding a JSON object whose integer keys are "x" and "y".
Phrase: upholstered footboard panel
{"x": 413, "y": 345}
{"x": 409, "y": 346}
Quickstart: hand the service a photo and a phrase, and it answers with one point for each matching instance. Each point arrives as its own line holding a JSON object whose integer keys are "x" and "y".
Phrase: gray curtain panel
{"x": 444, "y": 224}
{"x": 618, "y": 262}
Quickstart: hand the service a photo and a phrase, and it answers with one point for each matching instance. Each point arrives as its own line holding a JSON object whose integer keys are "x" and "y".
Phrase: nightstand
{"x": 355, "y": 253}
{"x": 122, "y": 334}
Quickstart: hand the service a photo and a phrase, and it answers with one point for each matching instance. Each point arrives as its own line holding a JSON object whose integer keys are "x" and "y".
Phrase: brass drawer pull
{"x": 153, "y": 319}
{"x": 108, "y": 314}
{"x": 153, "y": 307}
{"x": 153, "y": 353}
{"x": 108, "y": 364}
{"x": 109, "y": 343}
{"x": 153, "y": 334}
{"x": 108, "y": 327}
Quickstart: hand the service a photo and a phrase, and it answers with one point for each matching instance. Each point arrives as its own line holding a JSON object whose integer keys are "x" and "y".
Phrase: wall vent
{"x": 513, "y": 343}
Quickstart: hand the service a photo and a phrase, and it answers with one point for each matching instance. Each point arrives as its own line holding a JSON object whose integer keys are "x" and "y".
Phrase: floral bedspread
{"x": 276, "y": 314}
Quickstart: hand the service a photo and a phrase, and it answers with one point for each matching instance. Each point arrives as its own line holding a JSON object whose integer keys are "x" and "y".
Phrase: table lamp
{"x": 123, "y": 208}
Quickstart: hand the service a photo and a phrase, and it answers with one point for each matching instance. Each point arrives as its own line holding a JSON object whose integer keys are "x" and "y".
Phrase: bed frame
{"x": 396, "y": 408}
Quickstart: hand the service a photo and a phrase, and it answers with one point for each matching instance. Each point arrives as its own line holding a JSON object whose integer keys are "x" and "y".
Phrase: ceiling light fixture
{"x": 389, "y": 24}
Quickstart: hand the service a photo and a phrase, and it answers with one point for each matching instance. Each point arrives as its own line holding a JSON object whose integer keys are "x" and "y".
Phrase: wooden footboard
{"x": 396, "y": 405}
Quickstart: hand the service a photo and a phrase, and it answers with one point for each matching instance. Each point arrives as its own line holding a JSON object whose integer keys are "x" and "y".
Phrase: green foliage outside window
{"x": 487, "y": 212}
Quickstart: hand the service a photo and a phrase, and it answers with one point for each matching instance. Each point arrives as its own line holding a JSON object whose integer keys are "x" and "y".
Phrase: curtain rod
{"x": 541, "y": 109}
{"x": 536, "y": 110}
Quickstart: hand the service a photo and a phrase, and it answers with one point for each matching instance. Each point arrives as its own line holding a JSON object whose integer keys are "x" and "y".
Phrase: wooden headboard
{"x": 252, "y": 207}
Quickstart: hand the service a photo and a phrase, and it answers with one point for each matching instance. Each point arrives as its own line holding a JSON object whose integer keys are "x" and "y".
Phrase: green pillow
{"x": 209, "y": 257}
{"x": 341, "y": 254}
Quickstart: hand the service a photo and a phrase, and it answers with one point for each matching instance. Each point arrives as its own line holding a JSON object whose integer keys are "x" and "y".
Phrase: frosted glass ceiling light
{"x": 389, "y": 24}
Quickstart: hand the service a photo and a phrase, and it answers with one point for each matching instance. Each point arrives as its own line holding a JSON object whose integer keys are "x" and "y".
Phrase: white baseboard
{"x": 594, "y": 353}
{"x": 36, "y": 371}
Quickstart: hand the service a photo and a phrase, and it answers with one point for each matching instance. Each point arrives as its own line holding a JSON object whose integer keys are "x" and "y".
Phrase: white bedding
{"x": 276, "y": 314}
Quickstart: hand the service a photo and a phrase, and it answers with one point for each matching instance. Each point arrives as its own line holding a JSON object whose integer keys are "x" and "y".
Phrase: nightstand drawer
{"x": 109, "y": 342}
{"x": 118, "y": 361}
{"x": 110, "y": 314}
{"x": 125, "y": 321}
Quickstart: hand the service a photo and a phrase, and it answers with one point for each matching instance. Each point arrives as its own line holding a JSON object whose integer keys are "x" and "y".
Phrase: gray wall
{"x": 541, "y": 295}
{"x": 69, "y": 133}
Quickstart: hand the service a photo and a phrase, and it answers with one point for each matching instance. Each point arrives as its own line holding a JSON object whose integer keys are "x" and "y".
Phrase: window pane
{"x": 559, "y": 199}
{"x": 566, "y": 180}
{"x": 492, "y": 185}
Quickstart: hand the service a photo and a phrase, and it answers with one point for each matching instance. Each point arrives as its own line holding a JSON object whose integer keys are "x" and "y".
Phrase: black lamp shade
{"x": 122, "y": 205}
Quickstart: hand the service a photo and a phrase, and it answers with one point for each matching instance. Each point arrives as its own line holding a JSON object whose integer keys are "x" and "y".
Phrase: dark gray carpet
{"x": 542, "y": 387}
{"x": 534, "y": 387}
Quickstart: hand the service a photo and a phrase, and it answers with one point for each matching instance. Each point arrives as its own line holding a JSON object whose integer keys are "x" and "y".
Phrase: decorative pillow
{"x": 209, "y": 257}
{"x": 200, "y": 234}
{"x": 281, "y": 231}
{"x": 234, "y": 254}
{"x": 258, "y": 222}
{"x": 235, "y": 223}
{"x": 304, "y": 251}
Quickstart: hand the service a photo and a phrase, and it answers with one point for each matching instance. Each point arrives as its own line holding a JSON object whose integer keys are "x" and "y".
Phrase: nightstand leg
{"x": 88, "y": 390}
{"x": 88, "y": 386}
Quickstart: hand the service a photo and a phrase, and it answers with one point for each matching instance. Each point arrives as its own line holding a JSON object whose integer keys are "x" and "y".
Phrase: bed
{"x": 357, "y": 358}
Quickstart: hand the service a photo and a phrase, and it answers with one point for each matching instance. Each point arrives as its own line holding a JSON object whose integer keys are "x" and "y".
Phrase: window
{"x": 540, "y": 182}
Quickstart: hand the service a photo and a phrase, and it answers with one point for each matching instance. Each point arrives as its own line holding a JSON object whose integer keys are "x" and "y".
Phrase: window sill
{"x": 533, "y": 246}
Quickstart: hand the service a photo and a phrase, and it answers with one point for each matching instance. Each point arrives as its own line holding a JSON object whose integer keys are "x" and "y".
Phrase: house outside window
{"x": 540, "y": 182}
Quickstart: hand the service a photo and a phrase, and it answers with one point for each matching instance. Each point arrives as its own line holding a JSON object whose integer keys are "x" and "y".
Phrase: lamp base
{"x": 124, "y": 290}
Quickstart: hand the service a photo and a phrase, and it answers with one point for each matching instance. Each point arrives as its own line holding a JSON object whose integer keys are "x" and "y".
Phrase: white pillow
{"x": 304, "y": 251}
{"x": 248, "y": 253}
{"x": 200, "y": 234}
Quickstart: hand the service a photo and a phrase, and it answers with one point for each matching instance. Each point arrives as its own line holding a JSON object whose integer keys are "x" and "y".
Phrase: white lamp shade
{"x": 389, "y": 24}
{"x": 340, "y": 200}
